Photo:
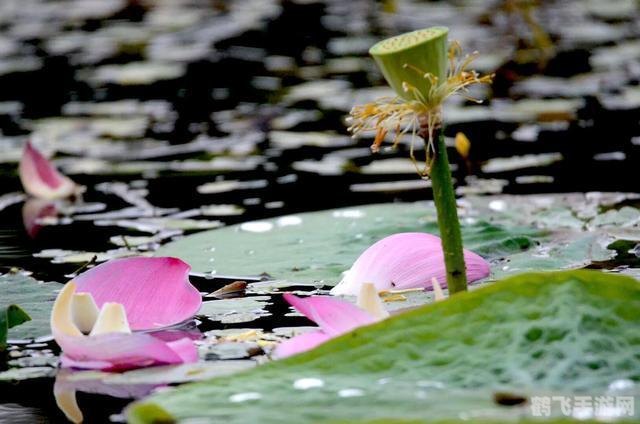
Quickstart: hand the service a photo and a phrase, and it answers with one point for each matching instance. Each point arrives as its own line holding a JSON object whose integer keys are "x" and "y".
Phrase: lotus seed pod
{"x": 406, "y": 58}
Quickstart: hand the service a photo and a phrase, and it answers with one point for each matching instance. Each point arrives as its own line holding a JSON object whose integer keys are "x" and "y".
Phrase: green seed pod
{"x": 407, "y": 57}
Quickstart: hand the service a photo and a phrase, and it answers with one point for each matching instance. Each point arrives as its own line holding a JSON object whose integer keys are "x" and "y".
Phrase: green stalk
{"x": 445, "y": 200}
{"x": 406, "y": 61}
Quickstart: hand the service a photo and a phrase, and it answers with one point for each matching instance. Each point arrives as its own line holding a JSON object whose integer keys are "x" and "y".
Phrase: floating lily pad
{"x": 17, "y": 374}
{"x": 34, "y": 297}
{"x": 552, "y": 333}
{"x": 236, "y": 310}
{"x": 319, "y": 246}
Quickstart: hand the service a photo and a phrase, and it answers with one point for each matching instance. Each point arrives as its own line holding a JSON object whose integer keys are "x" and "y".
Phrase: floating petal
{"x": 113, "y": 351}
{"x": 334, "y": 316}
{"x": 40, "y": 178}
{"x": 155, "y": 292}
{"x": 405, "y": 260}
{"x": 301, "y": 343}
{"x": 121, "y": 351}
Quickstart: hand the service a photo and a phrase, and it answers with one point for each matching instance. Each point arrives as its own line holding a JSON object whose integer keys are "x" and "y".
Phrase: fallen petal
{"x": 120, "y": 351}
{"x": 113, "y": 351}
{"x": 334, "y": 316}
{"x": 40, "y": 178}
{"x": 155, "y": 292}
{"x": 299, "y": 344}
{"x": 405, "y": 260}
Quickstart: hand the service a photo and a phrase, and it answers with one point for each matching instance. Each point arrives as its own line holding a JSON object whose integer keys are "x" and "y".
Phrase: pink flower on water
{"x": 404, "y": 261}
{"x": 334, "y": 317}
{"x": 40, "y": 178}
{"x": 94, "y": 315}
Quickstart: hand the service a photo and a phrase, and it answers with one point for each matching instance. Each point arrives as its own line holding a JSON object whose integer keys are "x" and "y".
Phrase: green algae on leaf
{"x": 561, "y": 333}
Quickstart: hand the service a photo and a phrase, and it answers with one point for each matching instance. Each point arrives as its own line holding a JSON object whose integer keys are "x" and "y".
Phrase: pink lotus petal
{"x": 155, "y": 292}
{"x": 301, "y": 343}
{"x": 40, "y": 178}
{"x": 334, "y": 316}
{"x": 121, "y": 351}
{"x": 405, "y": 260}
{"x": 185, "y": 349}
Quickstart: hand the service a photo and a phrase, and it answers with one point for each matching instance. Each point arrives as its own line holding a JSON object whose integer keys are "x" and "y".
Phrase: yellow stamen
{"x": 403, "y": 116}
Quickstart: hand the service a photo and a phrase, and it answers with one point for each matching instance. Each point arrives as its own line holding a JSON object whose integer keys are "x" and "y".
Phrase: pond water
{"x": 182, "y": 116}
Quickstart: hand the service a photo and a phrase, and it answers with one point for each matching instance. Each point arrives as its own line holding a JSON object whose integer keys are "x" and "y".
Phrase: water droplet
{"x": 498, "y": 205}
{"x": 621, "y": 385}
{"x": 307, "y": 383}
{"x": 421, "y": 394}
{"x": 347, "y": 393}
{"x": 243, "y": 397}
{"x": 256, "y": 226}
{"x": 289, "y": 220}
{"x": 348, "y": 213}
{"x": 429, "y": 384}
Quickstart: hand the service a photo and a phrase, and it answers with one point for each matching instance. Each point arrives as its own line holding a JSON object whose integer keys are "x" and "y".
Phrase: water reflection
{"x": 69, "y": 382}
{"x": 34, "y": 212}
{"x": 128, "y": 385}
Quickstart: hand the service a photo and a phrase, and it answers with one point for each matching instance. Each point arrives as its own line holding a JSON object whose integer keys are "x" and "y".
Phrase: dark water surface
{"x": 148, "y": 102}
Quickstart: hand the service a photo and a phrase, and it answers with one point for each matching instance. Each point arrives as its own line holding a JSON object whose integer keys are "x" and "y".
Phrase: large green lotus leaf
{"x": 34, "y": 297}
{"x": 319, "y": 246}
{"x": 534, "y": 334}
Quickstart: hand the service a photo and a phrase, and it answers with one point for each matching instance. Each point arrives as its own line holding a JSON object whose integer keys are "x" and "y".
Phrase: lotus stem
{"x": 423, "y": 73}
{"x": 448, "y": 222}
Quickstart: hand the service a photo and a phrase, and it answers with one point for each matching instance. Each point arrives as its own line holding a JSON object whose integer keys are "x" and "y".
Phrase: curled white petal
{"x": 61, "y": 314}
{"x": 112, "y": 319}
{"x": 84, "y": 312}
{"x": 369, "y": 300}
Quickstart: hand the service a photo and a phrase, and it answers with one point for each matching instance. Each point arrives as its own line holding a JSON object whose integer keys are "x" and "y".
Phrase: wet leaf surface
{"x": 517, "y": 233}
{"x": 397, "y": 368}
